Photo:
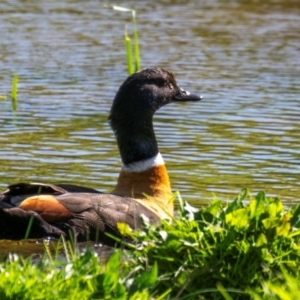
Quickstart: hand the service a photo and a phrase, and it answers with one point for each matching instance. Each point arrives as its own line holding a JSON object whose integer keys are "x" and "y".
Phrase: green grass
{"x": 247, "y": 249}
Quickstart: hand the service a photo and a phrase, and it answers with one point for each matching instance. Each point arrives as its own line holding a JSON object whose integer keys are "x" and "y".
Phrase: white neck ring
{"x": 143, "y": 165}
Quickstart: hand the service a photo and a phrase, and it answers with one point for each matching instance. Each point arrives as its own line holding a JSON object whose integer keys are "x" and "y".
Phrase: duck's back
{"x": 88, "y": 216}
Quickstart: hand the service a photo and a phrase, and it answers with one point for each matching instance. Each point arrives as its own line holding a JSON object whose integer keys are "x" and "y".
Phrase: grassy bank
{"x": 248, "y": 249}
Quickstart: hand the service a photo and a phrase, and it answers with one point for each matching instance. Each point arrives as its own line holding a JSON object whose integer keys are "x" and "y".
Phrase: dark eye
{"x": 160, "y": 82}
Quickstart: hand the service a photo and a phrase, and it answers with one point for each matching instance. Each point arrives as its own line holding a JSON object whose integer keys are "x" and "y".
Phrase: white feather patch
{"x": 143, "y": 165}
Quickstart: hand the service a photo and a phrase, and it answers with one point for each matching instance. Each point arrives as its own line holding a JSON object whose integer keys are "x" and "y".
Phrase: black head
{"x": 138, "y": 98}
{"x": 144, "y": 92}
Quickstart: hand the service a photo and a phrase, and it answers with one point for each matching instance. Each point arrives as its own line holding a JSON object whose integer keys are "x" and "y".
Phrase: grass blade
{"x": 29, "y": 227}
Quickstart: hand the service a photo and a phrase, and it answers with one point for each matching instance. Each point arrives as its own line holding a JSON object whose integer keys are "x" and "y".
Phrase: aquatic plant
{"x": 14, "y": 92}
{"x": 132, "y": 57}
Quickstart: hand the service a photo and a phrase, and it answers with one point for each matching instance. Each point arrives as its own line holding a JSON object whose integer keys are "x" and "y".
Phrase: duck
{"x": 142, "y": 191}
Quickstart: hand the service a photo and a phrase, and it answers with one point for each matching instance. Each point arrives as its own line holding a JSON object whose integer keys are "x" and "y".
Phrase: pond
{"x": 243, "y": 57}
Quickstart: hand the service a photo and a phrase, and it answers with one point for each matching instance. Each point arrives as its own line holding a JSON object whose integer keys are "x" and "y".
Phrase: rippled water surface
{"x": 243, "y": 57}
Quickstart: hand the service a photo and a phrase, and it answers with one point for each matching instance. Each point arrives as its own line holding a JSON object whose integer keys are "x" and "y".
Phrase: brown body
{"x": 90, "y": 215}
{"x": 87, "y": 216}
{"x": 150, "y": 187}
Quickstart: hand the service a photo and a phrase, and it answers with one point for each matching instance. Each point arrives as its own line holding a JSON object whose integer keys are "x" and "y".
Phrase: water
{"x": 242, "y": 57}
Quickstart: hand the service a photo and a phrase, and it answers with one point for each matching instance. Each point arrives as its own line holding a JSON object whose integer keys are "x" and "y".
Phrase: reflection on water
{"x": 242, "y": 57}
{"x": 55, "y": 249}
